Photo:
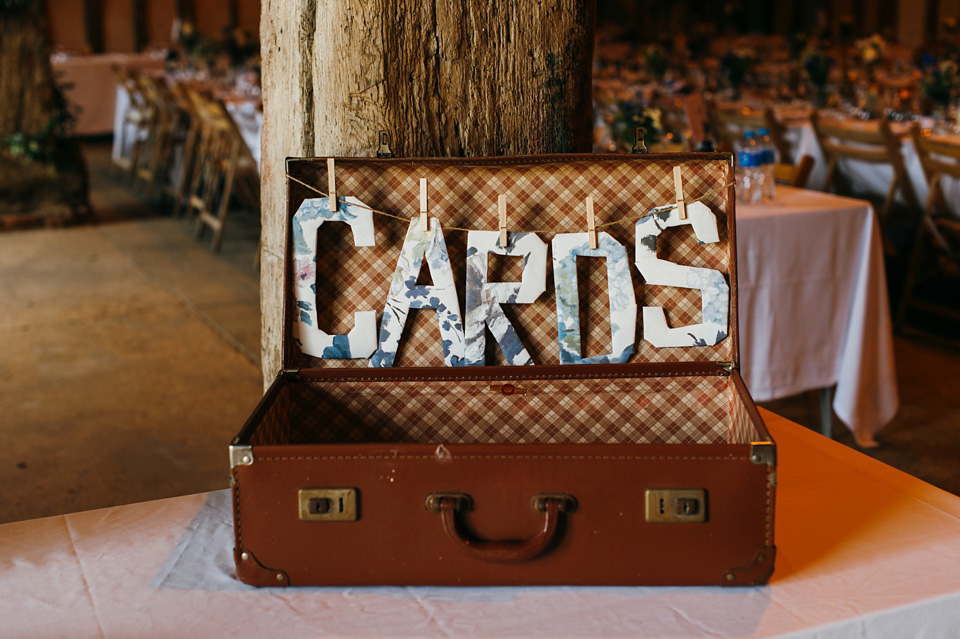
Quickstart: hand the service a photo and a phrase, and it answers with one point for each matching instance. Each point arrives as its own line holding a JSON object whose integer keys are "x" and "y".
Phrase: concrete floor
{"x": 130, "y": 358}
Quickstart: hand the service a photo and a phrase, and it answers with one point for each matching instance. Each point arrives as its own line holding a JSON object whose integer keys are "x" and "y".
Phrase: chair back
{"x": 730, "y": 124}
{"x": 939, "y": 155}
{"x": 936, "y": 248}
{"x": 870, "y": 141}
{"x": 864, "y": 140}
{"x": 794, "y": 174}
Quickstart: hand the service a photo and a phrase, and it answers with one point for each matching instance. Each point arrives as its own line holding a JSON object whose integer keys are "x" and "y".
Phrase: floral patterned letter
{"x": 623, "y": 302}
{"x": 484, "y": 298}
{"x": 715, "y": 294}
{"x": 405, "y": 294}
{"x": 360, "y": 342}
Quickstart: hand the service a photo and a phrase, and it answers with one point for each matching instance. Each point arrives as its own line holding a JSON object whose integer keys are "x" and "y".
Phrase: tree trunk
{"x": 27, "y": 90}
{"x": 43, "y": 180}
{"x": 444, "y": 78}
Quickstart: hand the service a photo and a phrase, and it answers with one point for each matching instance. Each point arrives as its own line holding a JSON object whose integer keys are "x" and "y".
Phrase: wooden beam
{"x": 93, "y": 24}
{"x": 185, "y": 10}
{"x": 932, "y": 27}
{"x": 140, "y": 30}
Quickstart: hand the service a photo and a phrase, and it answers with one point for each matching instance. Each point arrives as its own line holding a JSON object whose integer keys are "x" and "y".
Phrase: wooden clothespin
{"x": 502, "y": 216}
{"x": 678, "y": 188}
{"x": 424, "y": 223}
{"x": 591, "y": 223}
{"x": 331, "y": 184}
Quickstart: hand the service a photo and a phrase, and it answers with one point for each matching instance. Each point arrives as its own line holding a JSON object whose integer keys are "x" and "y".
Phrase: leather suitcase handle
{"x": 503, "y": 551}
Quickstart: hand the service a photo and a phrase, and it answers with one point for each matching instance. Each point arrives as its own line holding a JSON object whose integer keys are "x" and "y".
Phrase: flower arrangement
{"x": 816, "y": 66}
{"x": 735, "y": 65}
{"x": 941, "y": 82}
{"x": 10, "y": 7}
{"x": 872, "y": 50}
{"x": 655, "y": 61}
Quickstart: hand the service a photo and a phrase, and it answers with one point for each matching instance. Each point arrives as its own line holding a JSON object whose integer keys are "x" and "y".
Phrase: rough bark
{"x": 444, "y": 77}
{"x": 26, "y": 78}
{"x": 42, "y": 174}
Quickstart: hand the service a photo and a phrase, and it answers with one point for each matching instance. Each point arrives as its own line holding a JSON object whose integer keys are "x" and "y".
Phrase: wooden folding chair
{"x": 136, "y": 122}
{"x": 794, "y": 174}
{"x": 152, "y": 170}
{"x": 191, "y": 104}
{"x": 936, "y": 247}
{"x": 223, "y": 163}
{"x": 865, "y": 141}
{"x": 729, "y": 125}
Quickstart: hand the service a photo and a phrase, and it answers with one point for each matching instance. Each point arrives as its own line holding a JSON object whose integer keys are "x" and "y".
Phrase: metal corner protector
{"x": 240, "y": 456}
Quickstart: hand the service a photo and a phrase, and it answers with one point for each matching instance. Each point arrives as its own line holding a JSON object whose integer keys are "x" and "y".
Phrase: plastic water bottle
{"x": 748, "y": 173}
{"x": 768, "y": 161}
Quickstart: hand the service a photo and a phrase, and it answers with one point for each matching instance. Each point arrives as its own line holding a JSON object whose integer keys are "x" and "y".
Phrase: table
{"x": 813, "y": 308}
{"x": 94, "y": 85}
{"x": 864, "y": 550}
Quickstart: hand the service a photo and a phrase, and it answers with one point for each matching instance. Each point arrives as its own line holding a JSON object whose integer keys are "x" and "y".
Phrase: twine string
{"x": 621, "y": 220}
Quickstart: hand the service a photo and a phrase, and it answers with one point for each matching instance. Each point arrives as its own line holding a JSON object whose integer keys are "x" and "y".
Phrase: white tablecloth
{"x": 813, "y": 307}
{"x": 863, "y": 551}
{"x": 94, "y": 85}
{"x": 249, "y": 121}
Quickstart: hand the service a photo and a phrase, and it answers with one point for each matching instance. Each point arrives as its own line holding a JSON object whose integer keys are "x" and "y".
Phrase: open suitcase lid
{"x": 355, "y": 297}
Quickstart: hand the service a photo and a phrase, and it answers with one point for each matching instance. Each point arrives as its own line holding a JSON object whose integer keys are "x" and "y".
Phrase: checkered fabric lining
{"x": 541, "y": 196}
{"x": 673, "y": 410}
{"x": 742, "y": 428}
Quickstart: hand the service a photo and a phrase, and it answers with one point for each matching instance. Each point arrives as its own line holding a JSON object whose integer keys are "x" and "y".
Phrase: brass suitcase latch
{"x": 676, "y": 505}
{"x": 328, "y": 504}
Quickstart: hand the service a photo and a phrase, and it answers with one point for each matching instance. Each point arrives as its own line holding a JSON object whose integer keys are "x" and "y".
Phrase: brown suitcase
{"x": 656, "y": 470}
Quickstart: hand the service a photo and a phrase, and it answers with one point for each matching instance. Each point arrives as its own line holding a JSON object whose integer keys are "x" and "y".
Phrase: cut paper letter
{"x": 405, "y": 294}
{"x": 484, "y": 298}
{"x": 715, "y": 294}
{"x": 359, "y": 343}
{"x": 623, "y": 302}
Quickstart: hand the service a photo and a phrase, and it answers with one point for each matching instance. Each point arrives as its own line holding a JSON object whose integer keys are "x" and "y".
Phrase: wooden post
{"x": 444, "y": 78}
{"x": 141, "y": 35}
{"x": 51, "y": 191}
{"x": 93, "y": 24}
{"x": 185, "y": 10}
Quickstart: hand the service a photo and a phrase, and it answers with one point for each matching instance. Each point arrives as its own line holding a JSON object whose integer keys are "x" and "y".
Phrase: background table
{"x": 863, "y": 550}
{"x": 94, "y": 86}
{"x": 813, "y": 306}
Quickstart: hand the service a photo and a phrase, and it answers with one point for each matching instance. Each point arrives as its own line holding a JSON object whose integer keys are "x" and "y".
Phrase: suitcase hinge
{"x": 726, "y": 367}
{"x": 383, "y": 145}
{"x": 763, "y": 453}
{"x": 292, "y": 373}
{"x": 241, "y": 456}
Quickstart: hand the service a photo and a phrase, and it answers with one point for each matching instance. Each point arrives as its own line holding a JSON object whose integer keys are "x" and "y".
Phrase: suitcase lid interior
{"x": 545, "y": 194}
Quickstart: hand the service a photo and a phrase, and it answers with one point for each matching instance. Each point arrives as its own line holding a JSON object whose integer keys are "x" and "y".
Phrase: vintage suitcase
{"x": 384, "y": 454}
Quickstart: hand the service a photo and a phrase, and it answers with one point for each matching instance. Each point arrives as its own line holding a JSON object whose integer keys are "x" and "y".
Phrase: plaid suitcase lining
{"x": 684, "y": 410}
{"x": 540, "y": 197}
